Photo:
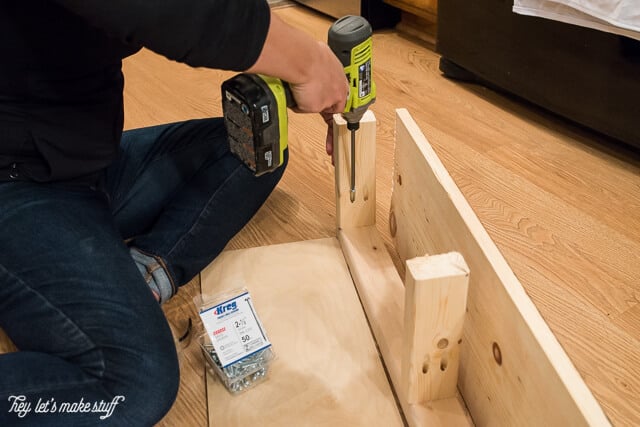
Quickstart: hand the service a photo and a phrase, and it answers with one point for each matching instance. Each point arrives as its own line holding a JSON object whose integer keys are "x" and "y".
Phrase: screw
{"x": 242, "y": 374}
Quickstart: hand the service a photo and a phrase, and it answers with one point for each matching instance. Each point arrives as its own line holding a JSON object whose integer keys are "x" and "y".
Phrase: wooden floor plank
{"x": 599, "y": 269}
{"x": 629, "y": 320}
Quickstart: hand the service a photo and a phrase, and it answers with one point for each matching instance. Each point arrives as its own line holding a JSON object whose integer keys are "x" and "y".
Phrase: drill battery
{"x": 255, "y": 116}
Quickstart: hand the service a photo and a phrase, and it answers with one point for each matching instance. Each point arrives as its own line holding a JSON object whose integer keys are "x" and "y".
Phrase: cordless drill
{"x": 350, "y": 39}
{"x": 255, "y": 106}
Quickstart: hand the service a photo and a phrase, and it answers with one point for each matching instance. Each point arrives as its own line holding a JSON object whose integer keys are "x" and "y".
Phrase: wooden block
{"x": 362, "y": 211}
{"x": 513, "y": 371}
{"x": 328, "y": 370}
{"x": 434, "y": 310}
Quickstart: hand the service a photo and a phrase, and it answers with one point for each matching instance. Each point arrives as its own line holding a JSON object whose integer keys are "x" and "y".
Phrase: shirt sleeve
{"x": 224, "y": 34}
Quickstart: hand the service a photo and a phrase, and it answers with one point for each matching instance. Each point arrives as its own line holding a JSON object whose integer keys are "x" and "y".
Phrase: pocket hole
{"x": 393, "y": 226}
{"x": 497, "y": 353}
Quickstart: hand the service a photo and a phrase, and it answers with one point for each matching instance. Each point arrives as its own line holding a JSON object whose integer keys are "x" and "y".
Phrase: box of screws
{"x": 241, "y": 375}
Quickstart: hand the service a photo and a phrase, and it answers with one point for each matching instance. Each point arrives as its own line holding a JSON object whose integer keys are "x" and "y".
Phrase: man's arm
{"x": 227, "y": 34}
{"x": 224, "y": 34}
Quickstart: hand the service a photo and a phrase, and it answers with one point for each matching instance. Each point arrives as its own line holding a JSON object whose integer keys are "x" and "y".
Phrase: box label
{"x": 234, "y": 329}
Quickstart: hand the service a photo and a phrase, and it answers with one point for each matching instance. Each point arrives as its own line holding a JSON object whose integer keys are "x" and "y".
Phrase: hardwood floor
{"x": 561, "y": 203}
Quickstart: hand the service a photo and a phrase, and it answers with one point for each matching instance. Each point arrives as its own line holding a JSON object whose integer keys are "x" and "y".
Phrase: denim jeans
{"x": 94, "y": 346}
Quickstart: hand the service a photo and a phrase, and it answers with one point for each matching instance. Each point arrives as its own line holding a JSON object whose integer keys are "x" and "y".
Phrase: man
{"x": 98, "y": 226}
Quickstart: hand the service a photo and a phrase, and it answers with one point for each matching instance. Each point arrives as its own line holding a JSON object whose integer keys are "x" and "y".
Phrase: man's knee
{"x": 160, "y": 386}
{"x": 140, "y": 366}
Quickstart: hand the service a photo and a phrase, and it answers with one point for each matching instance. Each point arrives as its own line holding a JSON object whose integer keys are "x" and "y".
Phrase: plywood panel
{"x": 513, "y": 371}
{"x": 328, "y": 370}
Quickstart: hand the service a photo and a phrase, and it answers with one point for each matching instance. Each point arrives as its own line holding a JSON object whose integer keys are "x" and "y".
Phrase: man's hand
{"x": 325, "y": 88}
{"x": 327, "y": 93}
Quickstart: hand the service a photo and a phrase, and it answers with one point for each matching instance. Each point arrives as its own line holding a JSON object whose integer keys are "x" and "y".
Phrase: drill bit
{"x": 352, "y": 194}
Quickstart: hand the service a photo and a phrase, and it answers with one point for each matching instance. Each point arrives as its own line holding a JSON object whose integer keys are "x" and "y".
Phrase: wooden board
{"x": 513, "y": 370}
{"x": 328, "y": 370}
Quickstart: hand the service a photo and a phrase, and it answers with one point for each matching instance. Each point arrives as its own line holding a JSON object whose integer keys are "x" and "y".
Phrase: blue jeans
{"x": 95, "y": 347}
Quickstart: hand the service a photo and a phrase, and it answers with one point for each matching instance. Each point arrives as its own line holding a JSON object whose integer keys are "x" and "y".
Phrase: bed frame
{"x": 459, "y": 343}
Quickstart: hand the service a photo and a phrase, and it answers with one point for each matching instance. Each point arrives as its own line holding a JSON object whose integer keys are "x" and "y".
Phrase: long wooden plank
{"x": 328, "y": 370}
{"x": 513, "y": 370}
